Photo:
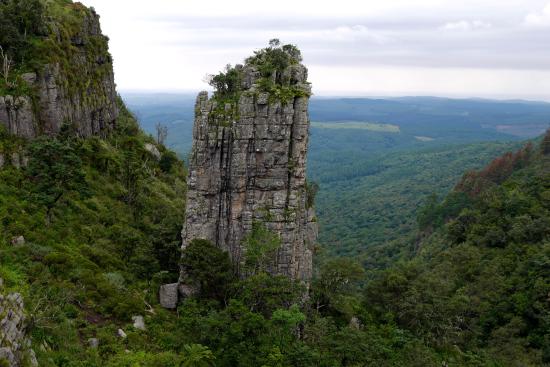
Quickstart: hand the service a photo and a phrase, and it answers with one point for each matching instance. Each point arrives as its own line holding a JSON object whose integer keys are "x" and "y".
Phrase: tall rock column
{"x": 248, "y": 165}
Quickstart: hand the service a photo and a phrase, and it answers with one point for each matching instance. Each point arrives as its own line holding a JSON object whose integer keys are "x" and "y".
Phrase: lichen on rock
{"x": 248, "y": 161}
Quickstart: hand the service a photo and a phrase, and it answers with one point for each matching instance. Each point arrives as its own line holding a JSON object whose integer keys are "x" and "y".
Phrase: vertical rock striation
{"x": 248, "y": 165}
{"x": 15, "y": 347}
{"x": 73, "y": 84}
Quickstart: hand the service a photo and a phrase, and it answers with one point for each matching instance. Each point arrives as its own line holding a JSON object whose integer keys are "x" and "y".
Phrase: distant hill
{"x": 377, "y": 160}
{"x": 439, "y": 115}
{"x": 422, "y": 121}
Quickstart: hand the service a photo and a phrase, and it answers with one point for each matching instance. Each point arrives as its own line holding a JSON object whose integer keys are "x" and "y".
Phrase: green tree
{"x": 54, "y": 170}
{"x": 264, "y": 293}
{"x": 545, "y": 144}
{"x": 197, "y": 355}
{"x": 312, "y": 188}
{"x": 261, "y": 247}
{"x": 336, "y": 284}
{"x": 133, "y": 170}
{"x": 20, "y": 20}
{"x": 208, "y": 268}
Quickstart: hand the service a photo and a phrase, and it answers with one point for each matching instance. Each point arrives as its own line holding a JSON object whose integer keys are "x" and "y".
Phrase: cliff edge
{"x": 56, "y": 70}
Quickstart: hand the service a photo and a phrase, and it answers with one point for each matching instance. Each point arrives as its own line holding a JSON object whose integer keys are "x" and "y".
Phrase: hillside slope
{"x": 88, "y": 229}
{"x": 481, "y": 280}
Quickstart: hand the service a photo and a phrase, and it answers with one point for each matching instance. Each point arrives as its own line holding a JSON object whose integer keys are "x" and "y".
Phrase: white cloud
{"x": 466, "y": 25}
{"x": 449, "y": 82}
{"x": 349, "y": 45}
{"x": 351, "y": 33}
{"x": 540, "y": 19}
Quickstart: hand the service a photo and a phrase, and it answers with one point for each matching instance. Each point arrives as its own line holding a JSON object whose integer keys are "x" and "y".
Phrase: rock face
{"x": 15, "y": 347}
{"x": 168, "y": 295}
{"x": 78, "y": 90}
{"x": 250, "y": 166}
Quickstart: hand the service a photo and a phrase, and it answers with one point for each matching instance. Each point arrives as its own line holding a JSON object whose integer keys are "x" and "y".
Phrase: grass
{"x": 359, "y": 125}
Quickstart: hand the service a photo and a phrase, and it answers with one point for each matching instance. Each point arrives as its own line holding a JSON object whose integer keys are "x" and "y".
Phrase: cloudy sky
{"x": 466, "y": 48}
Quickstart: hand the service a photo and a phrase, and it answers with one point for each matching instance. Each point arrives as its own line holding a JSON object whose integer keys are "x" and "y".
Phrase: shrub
{"x": 208, "y": 268}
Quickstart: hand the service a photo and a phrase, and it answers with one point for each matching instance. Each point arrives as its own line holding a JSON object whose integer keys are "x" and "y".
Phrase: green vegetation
{"x": 356, "y": 125}
{"x": 36, "y": 33}
{"x": 207, "y": 268}
{"x": 261, "y": 247}
{"x": 458, "y": 281}
{"x": 273, "y": 64}
{"x": 113, "y": 237}
{"x": 480, "y": 282}
{"x": 91, "y": 257}
{"x": 369, "y": 209}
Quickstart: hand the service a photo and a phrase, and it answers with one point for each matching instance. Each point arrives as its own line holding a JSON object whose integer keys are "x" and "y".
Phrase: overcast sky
{"x": 462, "y": 48}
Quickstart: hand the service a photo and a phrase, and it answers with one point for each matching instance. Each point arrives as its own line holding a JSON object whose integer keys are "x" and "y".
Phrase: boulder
{"x": 355, "y": 323}
{"x": 121, "y": 334}
{"x": 93, "y": 343}
{"x": 139, "y": 322}
{"x": 168, "y": 295}
{"x": 18, "y": 241}
{"x": 153, "y": 150}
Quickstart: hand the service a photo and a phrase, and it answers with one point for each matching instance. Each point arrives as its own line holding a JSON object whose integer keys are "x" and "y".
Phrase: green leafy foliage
{"x": 20, "y": 21}
{"x": 271, "y": 63}
{"x": 545, "y": 144}
{"x": 260, "y": 247}
{"x": 54, "y": 170}
{"x": 208, "y": 268}
{"x": 371, "y": 211}
{"x": 337, "y": 285}
{"x": 227, "y": 83}
{"x": 480, "y": 280}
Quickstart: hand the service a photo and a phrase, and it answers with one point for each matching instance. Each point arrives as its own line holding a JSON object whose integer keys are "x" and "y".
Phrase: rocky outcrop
{"x": 15, "y": 347}
{"x": 74, "y": 88}
{"x": 168, "y": 295}
{"x": 248, "y": 165}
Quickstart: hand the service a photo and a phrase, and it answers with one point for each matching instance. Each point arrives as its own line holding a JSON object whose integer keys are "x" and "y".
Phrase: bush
{"x": 208, "y": 268}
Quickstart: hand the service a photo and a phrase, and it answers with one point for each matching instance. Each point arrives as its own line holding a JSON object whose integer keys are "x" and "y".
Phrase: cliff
{"x": 248, "y": 161}
{"x": 15, "y": 347}
{"x": 58, "y": 72}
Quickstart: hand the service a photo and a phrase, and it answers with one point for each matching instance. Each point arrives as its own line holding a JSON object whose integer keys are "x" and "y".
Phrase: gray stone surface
{"x": 120, "y": 333}
{"x": 93, "y": 343}
{"x": 168, "y": 295}
{"x": 15, "y": 346}
{"x": 252, "y": 169}
{"x": 90, "y": 112}
{"x": 151, "y": 148}
{"x": 18, "y": 241}
{"x": 139, "y": 322}
{"x": 185, "y": 290}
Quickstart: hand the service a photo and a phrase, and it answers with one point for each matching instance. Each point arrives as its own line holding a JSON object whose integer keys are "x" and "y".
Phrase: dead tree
{"x": 6, "y": 66}
{"x": 162, "y": 133}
